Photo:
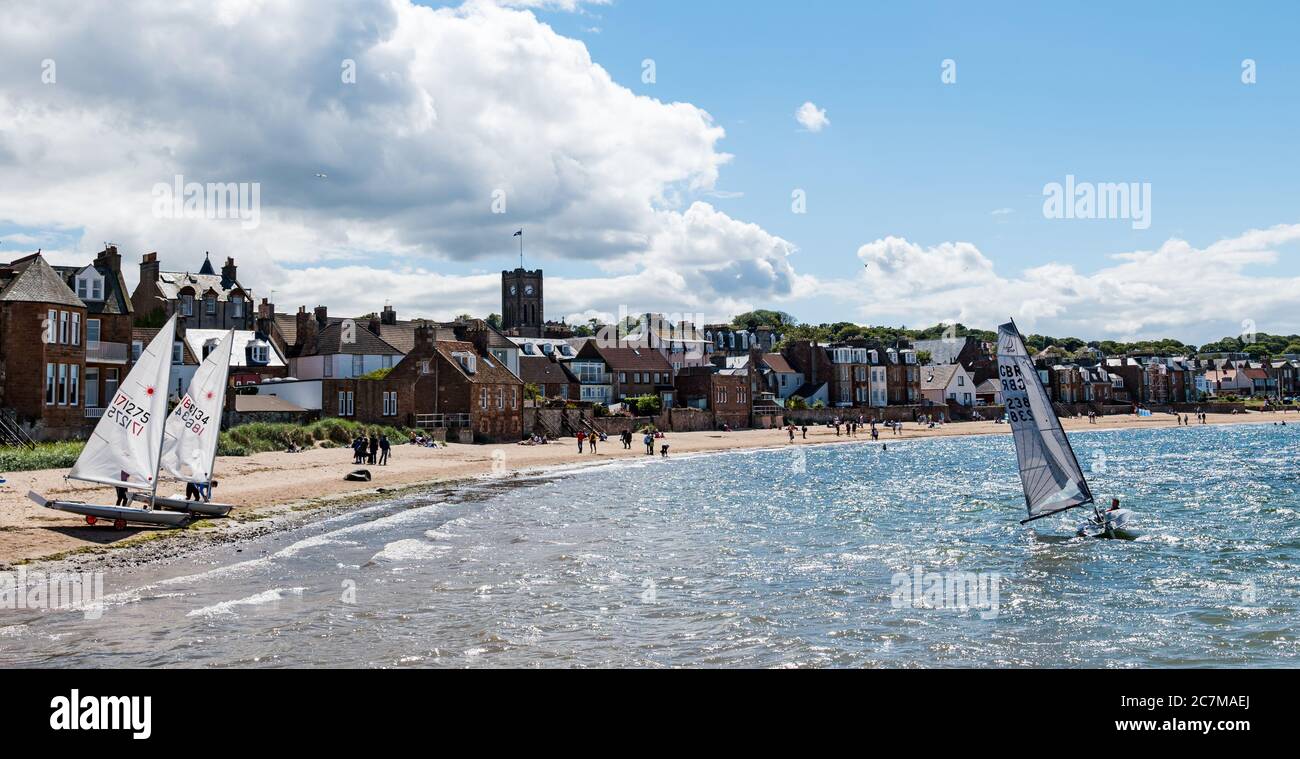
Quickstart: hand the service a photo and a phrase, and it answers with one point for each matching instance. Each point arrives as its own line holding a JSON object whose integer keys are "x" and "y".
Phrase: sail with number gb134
{"x": 190, "y": 437}
{"x": 1049, "y": 471}
{"x": 125, "y": 448}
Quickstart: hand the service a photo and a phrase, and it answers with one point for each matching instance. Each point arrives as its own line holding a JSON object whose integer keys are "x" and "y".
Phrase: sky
{"x": 887, "y": 164}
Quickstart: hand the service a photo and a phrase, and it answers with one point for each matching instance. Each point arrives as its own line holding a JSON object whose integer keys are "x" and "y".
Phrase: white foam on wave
{"x": 258, "y": 599}
{"x": 410, "y": 549}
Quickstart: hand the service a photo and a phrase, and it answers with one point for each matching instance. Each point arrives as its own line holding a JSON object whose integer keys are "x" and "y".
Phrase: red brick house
{"x": 632, "y": 372}
{"x": 42, "y": 349}
{"x": 439, "y": 385}
{"x": 727, "y": 395}
{"x": 108, "y": 327}
{"x": 204, "y": 300}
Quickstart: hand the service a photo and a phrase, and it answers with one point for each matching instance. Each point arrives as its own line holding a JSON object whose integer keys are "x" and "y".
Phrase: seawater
{"x": 779, "y": 558}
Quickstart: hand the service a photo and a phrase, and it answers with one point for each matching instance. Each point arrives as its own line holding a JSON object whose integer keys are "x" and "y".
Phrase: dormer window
{"x": 90, "y": 284}
{"x": 187, "y": 304}
{"x": 210, "y": 304}
{"x": 547, "y": 348}
{"x": 237, "y": 306}
{"x": 467, "y": 361}
{"x": 259, "y": 352}
{"x": 529, "y": 349}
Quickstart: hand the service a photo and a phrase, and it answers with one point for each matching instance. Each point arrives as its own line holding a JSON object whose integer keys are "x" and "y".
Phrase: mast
{"x": 221, "y": 407}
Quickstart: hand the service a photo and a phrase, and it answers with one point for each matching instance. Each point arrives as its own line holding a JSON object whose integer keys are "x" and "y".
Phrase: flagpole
{"x": 521, "y": 249}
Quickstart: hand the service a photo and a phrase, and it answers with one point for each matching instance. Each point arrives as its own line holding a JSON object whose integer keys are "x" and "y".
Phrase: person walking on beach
{"x": 384, "y": 447}
{"x": 356, "y": 450}
{"x": 374, "y": 449}
{"x": 649, "y": 441}
{"x": 791, "y": 430}
{"x": 805, "y": 432}
{"x": 582, "y": 437}
{"x": 592, "y": 441}
{"x": 627, "y": 440}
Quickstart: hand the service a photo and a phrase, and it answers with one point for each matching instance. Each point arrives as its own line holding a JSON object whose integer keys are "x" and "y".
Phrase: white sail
{"x": 123, "y": 450}
{"x": 1049, "y": 470}
{"x": 190, "y": 437}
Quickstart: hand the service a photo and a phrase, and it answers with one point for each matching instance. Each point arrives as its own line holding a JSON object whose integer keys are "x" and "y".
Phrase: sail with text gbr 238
{"x": 1049, "y": 471}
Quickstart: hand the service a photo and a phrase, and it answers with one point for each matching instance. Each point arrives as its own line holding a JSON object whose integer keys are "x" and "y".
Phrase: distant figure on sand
{"x": 582, "y": 436}
{"x": 627, "y": 439}
{"x": 649, "y": 441}
{"x": 663, "y": 450}
{"x": 384, "y": 446}
{"x": 792, "y": 433}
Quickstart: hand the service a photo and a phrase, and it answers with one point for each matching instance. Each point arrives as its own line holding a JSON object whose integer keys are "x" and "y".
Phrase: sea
{"x": 862, "y": 554}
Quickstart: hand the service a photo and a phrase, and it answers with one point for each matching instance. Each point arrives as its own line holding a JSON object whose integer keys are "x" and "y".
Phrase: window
{"x": 137, "y": 347}
{"x": 514, "y": 397}
{"x": 483, "y": 398}
{"x": 187, "y": 304}
{"x": 178, "y": 352}
{"x": 327, "y": 364}
{"x": 63, "y": 328}
{"x": 76, "y": 329}
{"x": 92, "y": 387}
{"x": 961, "y": 379}
{"x": 388, "y": 361}
{"x": 210, "y": 304}
{"x": 49, "y": 384}
{"x": 92, "y": 332}
{"x": 51, "y": 326}
{"x": 622, "y": 377}
{"x": 74, "y": 384}
{"x": 237, "y": 306}
{"x": 501, "y": 397}
{"x": 424, "y": 366}
{"x": 63, "y": 384}
{"x": 110, "y": 383}
{"x": 83, "y": 290}
{"x": 346, "y": 401}
{"x": 96, "y": 290}
{"x": 358, "y": 365}
{"x": 260, "y": 352}
{"x": 390, "y": 403}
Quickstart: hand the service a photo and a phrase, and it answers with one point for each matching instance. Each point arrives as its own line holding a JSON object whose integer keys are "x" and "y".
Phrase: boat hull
{"x": 115, "y": 514}
{"x": 194, "y": 507}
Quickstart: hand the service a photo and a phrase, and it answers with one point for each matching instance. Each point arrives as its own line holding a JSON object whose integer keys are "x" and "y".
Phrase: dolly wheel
{"x": 119, "y": 524}
{"x": 90, "y": 520}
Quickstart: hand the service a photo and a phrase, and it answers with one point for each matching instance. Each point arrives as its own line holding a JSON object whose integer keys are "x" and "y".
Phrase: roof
{"x": 777, "y": 363}
{"x": 809, "y": 389}
{"x": 116, "y": 300}
{"x": 35, "y": 281}
{"x": 988, "y": 386}
{"x": 195, "y": 338}
{"x": 170, "y": 284}
{"x": 540, "y": 370}
{"x": 486, "y": 368}
{"x": 329, "y": 341}
{"x": 941, "y": 351}
{"x": 631, "y": 359}
{"x": 938, "y": 377}
{"x": 247, "y": 403}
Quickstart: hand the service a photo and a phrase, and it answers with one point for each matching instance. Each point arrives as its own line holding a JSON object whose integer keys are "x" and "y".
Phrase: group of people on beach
{"x": 372, "y": 449}
{"x": 592, "y": 439}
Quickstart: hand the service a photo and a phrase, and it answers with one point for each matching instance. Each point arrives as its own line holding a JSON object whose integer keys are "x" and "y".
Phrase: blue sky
{"x": 627, "y": 202}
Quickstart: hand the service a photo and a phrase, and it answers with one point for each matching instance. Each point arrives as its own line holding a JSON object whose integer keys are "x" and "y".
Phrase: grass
{"x": 260, "y": 437}
{"x": 44, "y": 456}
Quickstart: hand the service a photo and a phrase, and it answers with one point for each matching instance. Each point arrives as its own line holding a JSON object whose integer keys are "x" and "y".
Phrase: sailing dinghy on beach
{"x": 190, "y": 437}
{"x": 1049, "y": 470}
{"x": 124, "y": 449}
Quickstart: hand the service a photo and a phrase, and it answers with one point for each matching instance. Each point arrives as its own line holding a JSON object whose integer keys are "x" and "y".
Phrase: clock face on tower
{"x": 528, "y": 290}
{"x": 513, "y": 289}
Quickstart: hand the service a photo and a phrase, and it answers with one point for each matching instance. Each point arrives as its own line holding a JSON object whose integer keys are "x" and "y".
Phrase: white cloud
{"x": 811, "y": 117}
{"x": 450, "y": 106}
{"x": 1176, "y": 290}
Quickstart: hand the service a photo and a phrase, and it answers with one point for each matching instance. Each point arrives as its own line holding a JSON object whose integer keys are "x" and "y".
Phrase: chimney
{"x": 149, "y": 268}
{"x": 424, "y": 338}
{"x": 110, "y": 259}
{"x": 374, "y": 325}
{"x": 388, "y": 316}
{"x": 266, "y": 310}
{"x": 228, "y": 273}
{"x": 306, "y": 328}
{"x": 322, "y": 316}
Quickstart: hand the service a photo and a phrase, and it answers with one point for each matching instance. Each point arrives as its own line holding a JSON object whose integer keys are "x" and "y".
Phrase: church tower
{"x": 521, "y": 303}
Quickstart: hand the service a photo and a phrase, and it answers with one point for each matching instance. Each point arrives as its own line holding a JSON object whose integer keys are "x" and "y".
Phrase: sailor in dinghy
{"x": 1049, "y": 471}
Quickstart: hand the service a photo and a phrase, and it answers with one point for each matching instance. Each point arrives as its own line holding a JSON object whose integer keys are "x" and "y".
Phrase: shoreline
{"x": 278, "y": 491}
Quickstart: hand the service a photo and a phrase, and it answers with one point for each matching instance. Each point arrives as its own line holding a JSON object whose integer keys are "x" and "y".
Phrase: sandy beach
{"x": 274, "y": 484}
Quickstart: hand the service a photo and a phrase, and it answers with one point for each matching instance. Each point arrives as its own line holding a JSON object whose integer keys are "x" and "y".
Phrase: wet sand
{"x": 273, "y": 485}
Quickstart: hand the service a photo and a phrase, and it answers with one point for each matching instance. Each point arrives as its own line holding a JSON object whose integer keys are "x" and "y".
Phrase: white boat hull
{"x": 194, "y": 507}
{"x": 118, "y": 515}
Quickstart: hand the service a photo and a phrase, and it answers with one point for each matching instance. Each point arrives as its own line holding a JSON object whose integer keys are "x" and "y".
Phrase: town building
{"x": 109, "y": 321}
{"x": 949, "y": 383}
{"x": 726, "y": 393}
{"x": 203, "y": 300}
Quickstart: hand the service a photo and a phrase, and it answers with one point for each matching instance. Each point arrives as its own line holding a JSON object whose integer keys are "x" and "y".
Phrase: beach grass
{"x": 44, "y": 456}
{"x": 262, "y": 437}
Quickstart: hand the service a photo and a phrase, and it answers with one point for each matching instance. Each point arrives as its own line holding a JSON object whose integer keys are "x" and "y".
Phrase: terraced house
{"x": 42, "y": 351}
{"x": 204, "y": 300}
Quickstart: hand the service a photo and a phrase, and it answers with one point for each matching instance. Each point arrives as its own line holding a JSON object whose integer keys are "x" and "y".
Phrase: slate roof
{"x": 777, "y": 363}
{"x": 117, "y": 301}
{"x": 631, "y": 359}
{"x": 937, "y": 377}
{"x": 35, "y": 281}
{"x": 329, "y": 341}
{"x": 540, "y": 370}
{"x": 487, "y": 368}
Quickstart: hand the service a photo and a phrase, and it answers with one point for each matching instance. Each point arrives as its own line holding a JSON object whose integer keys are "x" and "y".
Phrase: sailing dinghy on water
{"x": 1049, "y": 470}
{"x": 190, "y": 437}
{"x": 125, "y": 448}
